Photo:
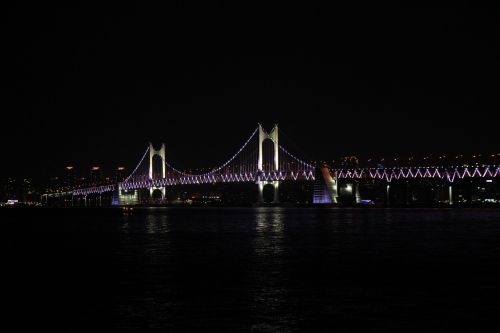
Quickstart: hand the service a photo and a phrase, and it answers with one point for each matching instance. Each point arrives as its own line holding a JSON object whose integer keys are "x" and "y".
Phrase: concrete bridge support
{"x": 276, "y": 196}
{"x": 357, "y": 196}
{"x": 408, "y": 194}
{"x": 260, "y": 185}
{"x": 273, "y": 136}
{"x": 450, "y": 194}
{"x": 161, "y": 154}
{"x": 276, "y": 192}
{"x": 388, "y": 194}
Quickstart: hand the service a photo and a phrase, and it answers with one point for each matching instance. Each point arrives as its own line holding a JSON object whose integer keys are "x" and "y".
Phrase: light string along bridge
{"x": 261, "y": 159}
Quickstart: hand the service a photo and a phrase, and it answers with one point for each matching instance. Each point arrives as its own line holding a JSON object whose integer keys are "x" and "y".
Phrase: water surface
{"x": 253, "y": 269}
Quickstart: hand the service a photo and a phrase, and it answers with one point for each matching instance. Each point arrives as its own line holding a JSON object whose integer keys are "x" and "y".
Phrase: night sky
{"x": 88, "y": 84}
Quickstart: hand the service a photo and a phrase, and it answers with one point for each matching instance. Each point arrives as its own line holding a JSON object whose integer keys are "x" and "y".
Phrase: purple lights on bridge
{"x": 251, "y": 163}
{"x": 219, "y": 178}
{"x": 448, "y": 174}
{"x": 255, "y": 163}
{"x": 94, "y": 190}
{"x": 388, "y": 174}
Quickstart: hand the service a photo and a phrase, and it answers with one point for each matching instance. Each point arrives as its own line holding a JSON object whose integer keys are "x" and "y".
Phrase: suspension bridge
{"x": 253, "y": 162}
{"x": 262, "y": 160}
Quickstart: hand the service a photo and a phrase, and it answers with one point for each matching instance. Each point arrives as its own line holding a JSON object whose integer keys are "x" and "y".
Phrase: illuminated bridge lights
{"x": 389, "y": 174}
{"x": 94, "y": 190}
{"x": 247, "y": 177}
{"x": 253, "y": 164}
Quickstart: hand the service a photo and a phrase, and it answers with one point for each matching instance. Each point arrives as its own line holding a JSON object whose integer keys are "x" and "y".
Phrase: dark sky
{"x": 90, "y": 84}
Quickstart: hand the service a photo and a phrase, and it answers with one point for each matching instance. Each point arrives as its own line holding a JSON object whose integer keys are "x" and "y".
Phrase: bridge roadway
{"x": 248, "y": 177}
{"x": 448, "y": 174}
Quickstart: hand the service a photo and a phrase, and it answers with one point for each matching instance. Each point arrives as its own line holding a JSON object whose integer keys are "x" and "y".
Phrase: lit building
{"x": 28, "y": 191}
{"x": 349, "y": 162}
{"x": 70, "y": 175}
{"x": 95, "y": 175}
{"x": 120, "y": 174}
{"x": 9, "y": 190}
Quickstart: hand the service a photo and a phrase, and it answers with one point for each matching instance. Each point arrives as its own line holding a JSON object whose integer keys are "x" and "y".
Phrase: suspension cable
{"x": 220, "y": 167}
{"x": 292, "y": 156}
{"x": 142, "y": 159}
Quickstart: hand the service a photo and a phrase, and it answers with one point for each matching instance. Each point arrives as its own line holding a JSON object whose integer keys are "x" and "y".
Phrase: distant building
{"x": 120, "y": 174}
{"x": 28, "y": 191}
{"x": 9, "y": 190}
{"x": 55, "y": 183}
{"x": 70, "y": 175}
{"x": 95, "y": 175}
{"x": 21, "y": 190}
{"x": 349, "y": 162}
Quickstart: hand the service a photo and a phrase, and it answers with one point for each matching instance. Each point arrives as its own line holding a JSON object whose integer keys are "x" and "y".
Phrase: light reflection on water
{"x": 157, "y": 224}
{"x": 268, "y": 269}
{"x": 269, "y": 297}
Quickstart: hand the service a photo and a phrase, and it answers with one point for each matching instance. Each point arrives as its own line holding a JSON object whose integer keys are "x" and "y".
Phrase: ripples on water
{"x": 255, "y": 269}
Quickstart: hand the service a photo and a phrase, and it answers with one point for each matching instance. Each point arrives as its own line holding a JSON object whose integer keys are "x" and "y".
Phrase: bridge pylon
{"x": 273, "y": 136}
{"x": 161, "y": 153}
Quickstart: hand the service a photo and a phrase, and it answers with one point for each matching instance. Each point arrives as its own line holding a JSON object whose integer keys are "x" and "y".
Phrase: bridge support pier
{"x": 162, "y": 189}
{"x": 260, "y": 186}
{"x": 408, "y": 194}
{"x": 273, "y": 136}
{"x": 276, "y": 192}
{"x": 357, "y": 196}
{"x": 160, "y": 153}
{"x": 388, "y": 194}
{"x": 276, "y": 196}
{"x": 469, "y": 192}
{"x": 450, "y": 194}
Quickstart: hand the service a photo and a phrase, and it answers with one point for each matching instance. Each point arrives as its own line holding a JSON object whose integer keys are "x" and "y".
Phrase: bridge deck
{"x": 449, "y": 174}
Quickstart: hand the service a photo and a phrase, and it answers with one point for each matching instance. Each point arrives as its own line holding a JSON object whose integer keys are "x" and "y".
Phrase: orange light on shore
{"x": 70, "y": 167}
{"x": 120, "y": 168}
{"x": 95, "y": 168}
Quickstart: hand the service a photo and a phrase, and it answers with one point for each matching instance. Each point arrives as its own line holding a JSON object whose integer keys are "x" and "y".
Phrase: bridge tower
{"x": 273, "y": 136}
{"x": 161, "y": 154}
